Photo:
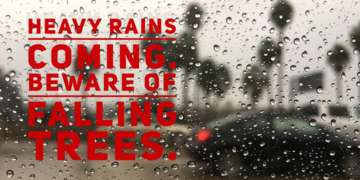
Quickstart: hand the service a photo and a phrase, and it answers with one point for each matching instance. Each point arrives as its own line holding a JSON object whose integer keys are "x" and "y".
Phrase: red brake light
{"x": 203, "y": 135}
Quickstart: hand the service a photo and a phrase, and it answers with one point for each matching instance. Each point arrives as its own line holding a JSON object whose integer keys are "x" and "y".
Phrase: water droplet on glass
{"x": 304, "y": 54}
{"x": 92, "y": 32}
{"x": 9, "y": 173}
{"x": 113, "y": 35}
{"x": 216, "y": 48}
{"x": 157, "y": 170}
{"x": 229, "y": 20}
{"x": 323, "y": 116}
{"x": 114, "y": 164}
{"x": 27, "y": 47}
{"x": 7, "y": 78}
{"x": 191, "y": 164}
{"x": 13, "y": 158}
{"x": 60, "y": 88}
{"x": 286, "y": 39}
{"x": 238, "y": 66}
{"x": 224, "y": 172}
{"x": 271, "y": 30}
{"x": 312, "y": 122}
{"x": 198, "y": 64}
{"x": 292, "y": 67}
{"x": 67, "y": 39}
{"x": 333, "y": 122}
{"x": 319, "y": 89}
{"x": 296, "y": 41}
{"x": 326, "y": 176}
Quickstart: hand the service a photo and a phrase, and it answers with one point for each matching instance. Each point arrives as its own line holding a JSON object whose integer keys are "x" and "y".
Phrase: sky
{"x": 327, "y": 23}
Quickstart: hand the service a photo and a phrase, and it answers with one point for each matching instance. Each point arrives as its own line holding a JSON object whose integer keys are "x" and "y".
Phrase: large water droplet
{"x": 229, "y": 20}
{"x": 216, "y": 48}
{"x": 304, "y": 54}
{"x": 312, "y": 122}
{"x": 13, "y": 158}
{"x": 27, "y": 47}
{"x": 191, "y": 164}
{"x": 224, "y": 172}
{"x": 157, "y": 170}
{"x": 326, "y": 176}
{"x": 319, "y": 89}
{"x": 292, "y": 67}
{"x": 114, "y": 164}
{"x": 296, "y": 41}
{"x": 9, "y": 173}
{"x": 113, "y": 35}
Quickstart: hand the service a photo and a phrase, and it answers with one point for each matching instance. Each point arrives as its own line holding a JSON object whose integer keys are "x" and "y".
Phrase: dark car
{"x": 285, "y": 143}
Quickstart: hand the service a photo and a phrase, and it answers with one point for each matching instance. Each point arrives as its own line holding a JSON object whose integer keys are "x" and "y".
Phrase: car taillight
{"x": 203, "y": 135}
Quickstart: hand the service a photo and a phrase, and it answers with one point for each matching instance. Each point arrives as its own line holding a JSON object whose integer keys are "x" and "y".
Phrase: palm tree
{"x": 185, "y": 51}
{"x": 213, "y": 78}
{"x": 193, "y": 16}
{"x": 268, "y": 53}
{"x": 255, "y": 81}
{"x": 355, "y": 39}
{"x": 281, "y": 15}
{"x": 338, "y": 59}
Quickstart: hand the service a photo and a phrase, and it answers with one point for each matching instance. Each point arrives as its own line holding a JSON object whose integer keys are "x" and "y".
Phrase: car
{"x": 273, "y": 142}
{"x": 340, "y": 117}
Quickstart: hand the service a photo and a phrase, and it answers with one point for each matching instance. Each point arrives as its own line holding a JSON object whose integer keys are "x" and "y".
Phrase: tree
{"x": 281, "y": 15}
{"x": 255, "y": 81}
{"x": 338, "y": 59}
{"x": 193, "y": 16}
{"x": 185, "y": 51}
{"x": 213, "y": 78}
{"x": 355, "y": 39}
{"x": 268, "y": 53}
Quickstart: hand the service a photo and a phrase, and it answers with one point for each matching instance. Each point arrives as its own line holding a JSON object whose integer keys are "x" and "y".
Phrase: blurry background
{"x": 233, "y": 58}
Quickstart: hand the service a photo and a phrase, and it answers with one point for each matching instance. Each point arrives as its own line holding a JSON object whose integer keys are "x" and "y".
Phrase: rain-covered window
{"x": 263, "y": 89}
